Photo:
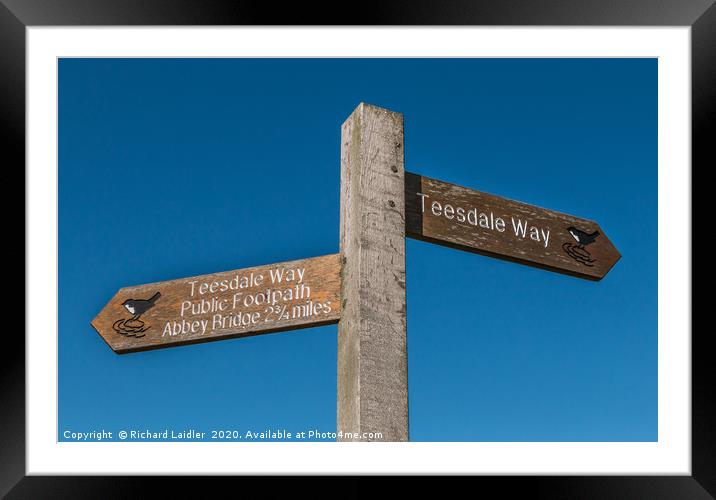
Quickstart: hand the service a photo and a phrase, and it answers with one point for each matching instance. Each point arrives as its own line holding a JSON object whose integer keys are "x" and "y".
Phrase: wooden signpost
{"x": 363, "y": 287}
{"x": 241, "y": 303}
{"x": 467, "y": 219}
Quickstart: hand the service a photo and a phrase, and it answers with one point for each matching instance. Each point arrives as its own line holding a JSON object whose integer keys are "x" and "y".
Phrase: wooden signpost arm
{"x": 372, "y": 351}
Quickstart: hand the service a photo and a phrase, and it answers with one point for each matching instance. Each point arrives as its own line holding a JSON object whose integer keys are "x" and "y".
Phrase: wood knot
{"x": 391, "y": 203}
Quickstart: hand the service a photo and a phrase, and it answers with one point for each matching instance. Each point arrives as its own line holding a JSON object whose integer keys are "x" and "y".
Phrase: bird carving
{"x": 581, "y": 237}
{"x": 137, "y": 307}
{"x": 578, "y": 252}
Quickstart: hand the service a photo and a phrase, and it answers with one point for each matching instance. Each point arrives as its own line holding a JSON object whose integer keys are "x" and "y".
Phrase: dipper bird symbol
{"x": 582, "y": 237}
{"x": 137, "y": 307}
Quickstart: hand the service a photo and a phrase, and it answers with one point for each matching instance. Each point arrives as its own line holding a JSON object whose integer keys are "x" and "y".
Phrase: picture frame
{"x": 16, "y": 16}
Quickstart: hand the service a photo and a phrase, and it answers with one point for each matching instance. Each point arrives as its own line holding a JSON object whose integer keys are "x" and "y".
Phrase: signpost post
{"x": 363, "y": 287}
{"x": 372, "y": 350}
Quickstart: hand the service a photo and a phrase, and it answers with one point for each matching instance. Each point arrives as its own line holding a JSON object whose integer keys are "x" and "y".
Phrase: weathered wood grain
{"x": 467, "y": 219}
{"x": 240, "y": 303}
{"x": 372, "y": 355}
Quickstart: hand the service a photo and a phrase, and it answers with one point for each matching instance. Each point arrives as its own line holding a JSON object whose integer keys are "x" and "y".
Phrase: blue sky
{"x": 174, "y": 168}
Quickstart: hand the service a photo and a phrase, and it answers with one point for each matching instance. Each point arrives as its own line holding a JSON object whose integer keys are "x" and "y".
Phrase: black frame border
{"x": 16, "y": 15}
